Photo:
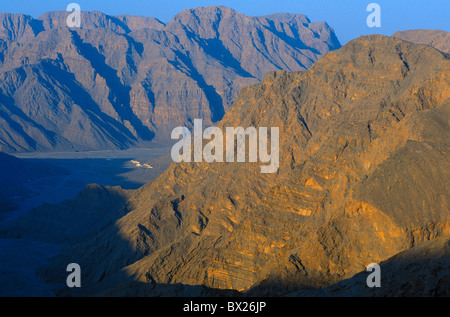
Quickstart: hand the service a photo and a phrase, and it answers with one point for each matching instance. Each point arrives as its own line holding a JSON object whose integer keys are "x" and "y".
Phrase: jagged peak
{"x": 439, "y": 39}
{"x": 4, "y": 15}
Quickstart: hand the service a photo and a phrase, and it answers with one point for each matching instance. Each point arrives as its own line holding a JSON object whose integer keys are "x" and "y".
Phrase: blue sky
{"x": 347, "y": 17}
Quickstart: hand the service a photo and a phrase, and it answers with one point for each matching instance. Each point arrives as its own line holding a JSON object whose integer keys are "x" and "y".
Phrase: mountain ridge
{"x": 362, "y": 131}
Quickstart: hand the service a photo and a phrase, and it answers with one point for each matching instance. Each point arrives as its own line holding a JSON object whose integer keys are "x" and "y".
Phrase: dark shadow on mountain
{"x": 138, "y": 46}
{"x": 107, "y": 172}
{"x": 46, "y": 183}
{"x": 214, "y": 100}
{"x": 117, "y": 21}
{"x": 147, "y": 85}
{"x": 425, "y": 276}
{"x": 3, "y": 48}
{"x": 18, "y": 128}
{"x": 7, "y": 100}
{"x": 422, "y": 271}
{"x": 63, "y": 225}
{"x": 119, "y": 94}
{"x": 7, "y": 205}
{"x": 297, "y": 42}
{"x": 129, "y": 287}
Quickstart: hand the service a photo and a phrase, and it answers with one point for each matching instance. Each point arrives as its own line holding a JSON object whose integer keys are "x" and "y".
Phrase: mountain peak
{"x": 17, "y": 25}
{"x": 391, "y": 51}
{"x": 124, "y": 69}
{"x": 439, "y": 39}
{"x": 360, "y": 134}
{"x": 288, "y": 17}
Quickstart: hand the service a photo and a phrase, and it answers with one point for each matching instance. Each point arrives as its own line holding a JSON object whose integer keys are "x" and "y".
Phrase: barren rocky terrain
{"x": 119, "y": 81}
{"x": 438, "y": 39}
{"x": 363, "y": 178}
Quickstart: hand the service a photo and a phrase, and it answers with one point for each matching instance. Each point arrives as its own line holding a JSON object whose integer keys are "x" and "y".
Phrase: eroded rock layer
{"x": 120, "y": 81}
{"x": 364, "y": 175}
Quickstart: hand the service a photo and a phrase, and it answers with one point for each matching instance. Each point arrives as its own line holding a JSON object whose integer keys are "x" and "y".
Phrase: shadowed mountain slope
{"x": 119, "y": 81}
{"x": 364, "y": 175}
{"x": 436, "y": 38}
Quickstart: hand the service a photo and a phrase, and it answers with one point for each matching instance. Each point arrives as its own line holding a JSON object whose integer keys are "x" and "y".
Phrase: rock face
{"x": 118, "y": 81}
{"x": 421, "y": 271}
{"x": 436, "y": 38}
{"x": 364, "y": 175}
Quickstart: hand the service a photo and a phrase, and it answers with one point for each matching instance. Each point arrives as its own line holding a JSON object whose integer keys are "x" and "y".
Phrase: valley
{"x": 21, "y": 258}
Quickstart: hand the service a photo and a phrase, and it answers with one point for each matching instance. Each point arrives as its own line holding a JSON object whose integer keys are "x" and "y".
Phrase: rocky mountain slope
{"x": 421, "y": 271}
{"x": 364, "y": 175}
{"x": 436, "y": 38}
{"x": 14, "y": 174}
{"x": 119, "y": 81}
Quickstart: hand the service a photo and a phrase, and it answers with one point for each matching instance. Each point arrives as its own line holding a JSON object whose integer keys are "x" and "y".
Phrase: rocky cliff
{"x": 436, "y": 38}
{"x": 421, "y": 271}
{"x": 364, "y": 175}
{"x": 119, "y": 81}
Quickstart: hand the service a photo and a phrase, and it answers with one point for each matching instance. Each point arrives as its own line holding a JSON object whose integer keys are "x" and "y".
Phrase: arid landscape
{"x": 87, "y": 175}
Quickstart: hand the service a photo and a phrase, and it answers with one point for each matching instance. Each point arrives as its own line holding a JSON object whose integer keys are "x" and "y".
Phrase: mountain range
{"x": 363, "y": 178}
{"x": 121, "y": 81}
{"x": 13, "y": 176}
{"x": 438, "y": 39}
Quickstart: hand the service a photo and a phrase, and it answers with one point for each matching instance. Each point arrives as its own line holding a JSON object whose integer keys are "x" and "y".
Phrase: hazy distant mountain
{"x": 364, "y": 175}
{"x": 421, "y": 271}
{"x": 121, "y": 80}
{"x": 437, "y": 38}
{"x": 15, "y": 173}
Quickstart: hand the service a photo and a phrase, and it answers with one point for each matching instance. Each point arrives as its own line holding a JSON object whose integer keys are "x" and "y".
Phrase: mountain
{"x": 14, "y": 175}
{"x": 363, "y": 176}
{"x": 96, "y": 206}
{"x": 436, "y": 38}
{"x": 122, "y": 80}
{"x": 421, "y": 271}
